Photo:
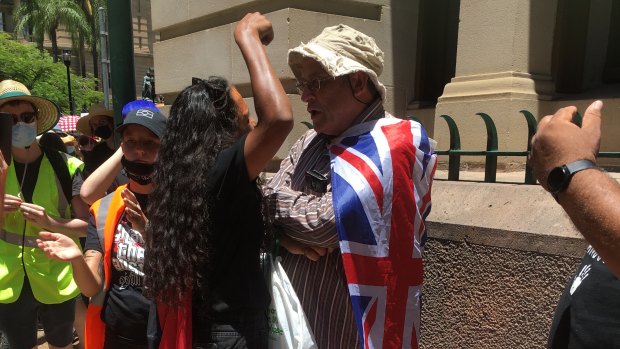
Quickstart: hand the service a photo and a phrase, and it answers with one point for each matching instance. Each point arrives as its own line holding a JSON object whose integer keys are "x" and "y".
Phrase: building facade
{"x": 143, "y": 37}
{"x": 454, "y": 57}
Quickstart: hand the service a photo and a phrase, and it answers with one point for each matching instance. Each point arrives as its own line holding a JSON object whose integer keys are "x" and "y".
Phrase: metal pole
{"x": 123, "y": 81}
{"x": 71, "y": 107}
{"x": 105, "y": 58}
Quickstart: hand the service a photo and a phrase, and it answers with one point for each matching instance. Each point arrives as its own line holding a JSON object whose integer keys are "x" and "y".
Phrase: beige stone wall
{"x": 476, "y": 296}
{"x": 498, "y": 258}
{"x": 197, "y": 40}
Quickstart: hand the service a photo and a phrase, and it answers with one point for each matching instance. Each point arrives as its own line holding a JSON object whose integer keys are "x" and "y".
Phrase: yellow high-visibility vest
{"x": 51, "y": 280}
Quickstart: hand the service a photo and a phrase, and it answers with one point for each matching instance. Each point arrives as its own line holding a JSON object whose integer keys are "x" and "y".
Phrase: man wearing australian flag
{"x": 361, "y": 181}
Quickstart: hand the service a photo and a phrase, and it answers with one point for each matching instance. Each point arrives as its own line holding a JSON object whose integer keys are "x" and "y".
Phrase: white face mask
{"x": 24, "y": 134}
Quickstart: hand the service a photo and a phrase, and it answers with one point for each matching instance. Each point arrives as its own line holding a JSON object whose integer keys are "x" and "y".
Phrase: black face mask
{"x": 139, "y": 172}
{"x": 103, "y": 132}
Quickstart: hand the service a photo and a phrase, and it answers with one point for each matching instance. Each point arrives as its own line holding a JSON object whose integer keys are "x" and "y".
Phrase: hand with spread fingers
{"x": 133, "y": 211}
{"x": 559, "y": 141}
{"x": 59, "y": 246}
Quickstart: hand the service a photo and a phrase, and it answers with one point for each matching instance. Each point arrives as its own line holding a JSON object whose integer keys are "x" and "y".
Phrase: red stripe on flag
{"x": 365, "y": 170}
{"x": 402, "y": 150}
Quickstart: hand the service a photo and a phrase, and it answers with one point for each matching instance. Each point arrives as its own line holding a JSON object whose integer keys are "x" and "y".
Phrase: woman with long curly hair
{"x": 206, "y": 226}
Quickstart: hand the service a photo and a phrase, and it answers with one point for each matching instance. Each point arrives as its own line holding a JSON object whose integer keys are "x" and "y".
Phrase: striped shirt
{"x": 308, "y": 217}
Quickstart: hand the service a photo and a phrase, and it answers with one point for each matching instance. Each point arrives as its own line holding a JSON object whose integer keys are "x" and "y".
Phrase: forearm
{"x": 88, "y": 280}
{"x": 96, "y": 185}
{"x": 72, "y": 227}
{"x": 304, "y": 217}
{"x": 592, "y": 202}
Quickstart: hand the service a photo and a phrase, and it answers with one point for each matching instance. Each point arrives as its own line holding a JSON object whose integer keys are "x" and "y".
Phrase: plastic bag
{"x": 289, "y": 328}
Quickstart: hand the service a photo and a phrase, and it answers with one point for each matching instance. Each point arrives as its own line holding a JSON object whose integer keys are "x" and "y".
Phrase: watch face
{"x": 557, "y": 179}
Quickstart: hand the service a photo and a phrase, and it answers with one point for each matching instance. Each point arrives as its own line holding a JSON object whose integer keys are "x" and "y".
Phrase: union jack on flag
{"x": 382, "y": 172}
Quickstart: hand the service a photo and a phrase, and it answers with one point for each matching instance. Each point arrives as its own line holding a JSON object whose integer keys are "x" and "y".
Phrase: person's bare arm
{"x": 275, "y": 115}
{"x": 592, "y": 199}
{"x": 74, "y": 227}
{"x": 96, "y": 185}
{"x": 86, "y": 269}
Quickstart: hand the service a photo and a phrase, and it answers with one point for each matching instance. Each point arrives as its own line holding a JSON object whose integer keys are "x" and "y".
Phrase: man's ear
{"x": 358, "y": 81}
{"x": 360, "y": 87}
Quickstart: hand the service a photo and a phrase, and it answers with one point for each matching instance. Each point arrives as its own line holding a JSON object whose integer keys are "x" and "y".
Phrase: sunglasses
{"x": 25, "y": 117}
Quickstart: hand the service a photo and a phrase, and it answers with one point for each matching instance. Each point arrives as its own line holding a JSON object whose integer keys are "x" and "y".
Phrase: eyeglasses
{"x": 313, "y": 85}
{"x": 25, "y": 117}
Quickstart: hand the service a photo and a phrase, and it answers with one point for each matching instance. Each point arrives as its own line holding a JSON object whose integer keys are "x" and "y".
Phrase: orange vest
{"x": 107, "y": 212}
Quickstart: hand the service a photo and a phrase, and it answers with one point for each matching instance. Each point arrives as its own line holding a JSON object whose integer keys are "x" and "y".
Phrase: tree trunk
{"x": 82, "y": 56}
{"x": 95, "y": 46}
{"x": 54, "y": 41}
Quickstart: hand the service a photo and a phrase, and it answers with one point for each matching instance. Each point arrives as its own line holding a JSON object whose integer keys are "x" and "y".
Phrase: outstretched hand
{"x": 133, "y": 211}
{"x": 58, "y": 246}
{"x": 255, "y": 24}
{"x": 559, "y": 141}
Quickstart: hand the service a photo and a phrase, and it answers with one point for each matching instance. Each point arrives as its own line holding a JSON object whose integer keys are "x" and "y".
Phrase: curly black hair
{"x": 202, "y": 123}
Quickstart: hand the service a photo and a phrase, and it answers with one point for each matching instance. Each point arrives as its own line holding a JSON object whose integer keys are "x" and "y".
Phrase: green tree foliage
{"x": 90, "y": 8}
{"x": 37, "y": 70}
{"x": 46, "y": 16}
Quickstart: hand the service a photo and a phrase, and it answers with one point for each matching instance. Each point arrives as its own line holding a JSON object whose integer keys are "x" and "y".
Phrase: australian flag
{"x": 382, "y": 172}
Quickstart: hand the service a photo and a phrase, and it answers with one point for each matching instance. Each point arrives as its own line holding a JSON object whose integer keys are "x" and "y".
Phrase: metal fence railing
{"x": 454, "y": 152}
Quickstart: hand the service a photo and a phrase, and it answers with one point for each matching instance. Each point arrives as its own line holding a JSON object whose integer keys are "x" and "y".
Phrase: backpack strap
{"x": 61, "y": 170}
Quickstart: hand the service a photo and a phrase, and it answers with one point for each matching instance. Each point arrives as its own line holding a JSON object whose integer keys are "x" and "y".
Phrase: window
{"x": 436, "y": 52}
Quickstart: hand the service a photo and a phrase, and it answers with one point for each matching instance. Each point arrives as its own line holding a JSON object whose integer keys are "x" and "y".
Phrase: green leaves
{"x": 36, "y": 69}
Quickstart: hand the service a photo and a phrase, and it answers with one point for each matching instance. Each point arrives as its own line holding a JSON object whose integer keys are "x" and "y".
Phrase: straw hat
{"x": 47, "y": 111}
{"x": 83, "y": 125}
{"x": 342, "y": 50}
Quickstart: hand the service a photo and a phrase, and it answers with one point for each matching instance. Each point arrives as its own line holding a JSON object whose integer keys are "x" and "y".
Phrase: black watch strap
{"x": 579, "y": 165}
{"x": 567, "y": 172}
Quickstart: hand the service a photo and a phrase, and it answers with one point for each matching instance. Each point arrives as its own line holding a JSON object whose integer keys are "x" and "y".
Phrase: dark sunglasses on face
{"x": 25, "y": 117}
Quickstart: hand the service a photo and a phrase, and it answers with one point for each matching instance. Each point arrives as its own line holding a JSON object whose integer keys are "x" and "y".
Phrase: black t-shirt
{"x": 588, "y": 313}
{"x": 236, "y": 280}
{"x": 125, "y": 309}
{"x": 28, "y": 180}
{"x": 94, "y": 158}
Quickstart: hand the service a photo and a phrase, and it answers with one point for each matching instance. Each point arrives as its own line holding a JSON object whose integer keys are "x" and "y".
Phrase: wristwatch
{"x": 560, "y": 177}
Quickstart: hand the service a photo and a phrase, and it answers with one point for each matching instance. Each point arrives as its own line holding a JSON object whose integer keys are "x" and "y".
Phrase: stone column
{"x": 503, "y": 66}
